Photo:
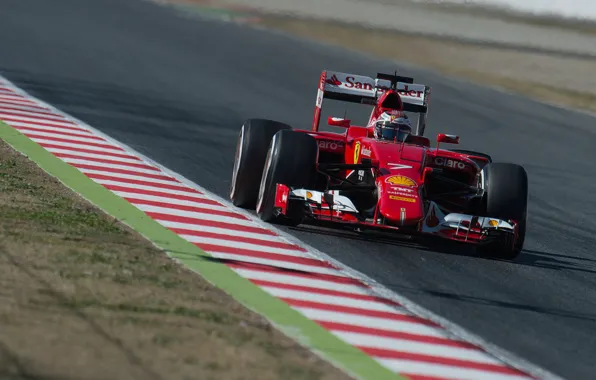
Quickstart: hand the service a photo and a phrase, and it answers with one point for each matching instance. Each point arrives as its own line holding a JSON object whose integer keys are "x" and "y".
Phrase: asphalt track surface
{"x": 178, "y": 89}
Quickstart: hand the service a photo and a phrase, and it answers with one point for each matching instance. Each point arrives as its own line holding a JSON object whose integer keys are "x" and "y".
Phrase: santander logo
{"x": 350, "y": 82}
{"x": 333, "y": 81}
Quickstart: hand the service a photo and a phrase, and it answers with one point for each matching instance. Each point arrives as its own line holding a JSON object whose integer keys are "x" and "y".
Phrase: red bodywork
{"x": 399, "y": 171}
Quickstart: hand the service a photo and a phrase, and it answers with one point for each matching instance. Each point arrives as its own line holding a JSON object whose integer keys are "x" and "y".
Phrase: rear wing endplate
{"x": 366, "y": 90}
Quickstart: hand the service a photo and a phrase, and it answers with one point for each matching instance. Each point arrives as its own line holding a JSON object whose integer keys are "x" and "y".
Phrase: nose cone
{"x": 400, "y": 201}
{"x": 401, "y": 165}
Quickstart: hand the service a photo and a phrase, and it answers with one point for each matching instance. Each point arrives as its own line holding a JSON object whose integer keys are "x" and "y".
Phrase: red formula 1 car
{"x": 364, "y": 180}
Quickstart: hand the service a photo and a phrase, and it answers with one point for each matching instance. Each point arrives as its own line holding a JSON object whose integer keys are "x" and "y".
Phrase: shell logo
{"x": 356, "y": 152}
{"x": 401, "y": 180}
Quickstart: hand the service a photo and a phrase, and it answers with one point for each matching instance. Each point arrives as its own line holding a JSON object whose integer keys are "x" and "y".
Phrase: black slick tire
{"x": 291, "y": 160}
{"x": 506, "y": 198}
{"x": 251, "y": 150}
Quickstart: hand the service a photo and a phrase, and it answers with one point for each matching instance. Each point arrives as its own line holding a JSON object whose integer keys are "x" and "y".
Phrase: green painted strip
{"x": 284, "y": 317}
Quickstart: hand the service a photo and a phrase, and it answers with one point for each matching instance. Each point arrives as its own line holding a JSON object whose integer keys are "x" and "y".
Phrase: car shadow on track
{"x": 533, "y": 258}
{"x": 486, "y": 301}
{"x": 556, "y": 261}
{"x": 429, "y": 244}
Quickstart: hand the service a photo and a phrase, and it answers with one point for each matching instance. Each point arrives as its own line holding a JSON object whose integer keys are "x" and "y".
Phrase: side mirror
{"x": 447, "y": 139}
{"x": 338, "y": 122}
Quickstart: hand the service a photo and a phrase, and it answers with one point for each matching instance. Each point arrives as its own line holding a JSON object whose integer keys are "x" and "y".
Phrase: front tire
{"x": 291, "y": 161}
{"x": 251, "y": 151}
{"x": 506, "y": 198}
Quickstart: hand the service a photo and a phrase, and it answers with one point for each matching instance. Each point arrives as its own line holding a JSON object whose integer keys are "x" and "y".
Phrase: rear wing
{"x": 366, "y": 90}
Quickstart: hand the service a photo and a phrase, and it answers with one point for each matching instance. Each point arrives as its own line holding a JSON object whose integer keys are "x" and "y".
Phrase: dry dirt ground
{"x": 84, "y": 297}
{"x": 568, "y": 81}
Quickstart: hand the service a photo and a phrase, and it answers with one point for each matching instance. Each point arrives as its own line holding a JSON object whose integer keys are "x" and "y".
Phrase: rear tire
{"x": 291, "y": 161}
{"x": 506, "y": 198}
{"x": 251, "y": 151}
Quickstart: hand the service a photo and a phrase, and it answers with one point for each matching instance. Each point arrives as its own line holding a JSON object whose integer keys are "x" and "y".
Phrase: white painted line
{"x": 6, "y": 90}
{"x": 9, "y": 119}
{"x": 330, "y": 300}
{"x": 241, "y": 245}
{"x": 217, "y": 230}
{"x": 131, "y": 177}
{"x": 444, "y": 371}
{"x": 24, "y": 126}
{"x": 173, "y": 201}
{"x": 65, "y": 144}
{"x": 7, "y": 104}
{"x": 252, "y": 274}
{"x": 83, "y": 155}
{"x": 77, "y": 140}
{"x": 109, "y": 182}
{"x": 403, "y": 345}
{"x": 276, "y": 263}
{"x": 78, "y": 161}
{"x": 16, "y": 98}
{"x": 374, "y": 322}
{"x": 35, "y": 115}
{"x": 196, "y": 215}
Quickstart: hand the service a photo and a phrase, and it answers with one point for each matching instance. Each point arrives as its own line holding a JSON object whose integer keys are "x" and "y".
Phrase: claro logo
{"x": 448, "y": 163}
{"x": 330, "y": 145}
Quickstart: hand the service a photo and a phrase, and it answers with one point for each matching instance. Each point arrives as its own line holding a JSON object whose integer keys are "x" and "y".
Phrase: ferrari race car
{"x": 358, "y": 179}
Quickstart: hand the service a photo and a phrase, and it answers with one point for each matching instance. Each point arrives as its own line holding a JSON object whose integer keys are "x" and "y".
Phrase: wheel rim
{"x": 237, "y": 160}
{"x": 262, "y": 186}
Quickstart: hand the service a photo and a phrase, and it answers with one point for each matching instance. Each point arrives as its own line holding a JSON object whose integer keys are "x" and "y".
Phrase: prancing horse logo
{"x": 356, "y": 152}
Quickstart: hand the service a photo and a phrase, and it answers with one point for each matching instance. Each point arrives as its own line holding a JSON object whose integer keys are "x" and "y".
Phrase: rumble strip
{"x": 320, "y": 290}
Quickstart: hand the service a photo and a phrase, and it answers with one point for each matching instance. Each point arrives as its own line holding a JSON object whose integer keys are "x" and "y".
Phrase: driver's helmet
{"x": 394, "y": 127}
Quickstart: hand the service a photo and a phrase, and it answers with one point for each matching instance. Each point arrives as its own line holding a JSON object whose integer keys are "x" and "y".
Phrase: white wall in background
{"x": 567, "y": 8}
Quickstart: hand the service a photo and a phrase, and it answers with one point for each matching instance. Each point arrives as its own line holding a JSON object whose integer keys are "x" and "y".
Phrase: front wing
{"x": 334, "y": 208}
